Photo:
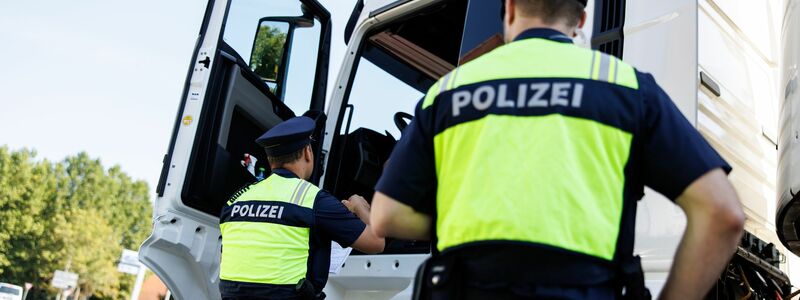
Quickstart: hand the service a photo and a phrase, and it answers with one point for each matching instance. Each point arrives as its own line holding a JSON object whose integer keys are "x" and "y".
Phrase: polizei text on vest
{"x": 258, "y": 210}
{"x": 540, "y": 94}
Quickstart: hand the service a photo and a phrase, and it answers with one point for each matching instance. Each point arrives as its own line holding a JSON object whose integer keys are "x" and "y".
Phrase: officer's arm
{"x": 714, "y": 226}
{"x": 335, "y": 218}
{"x": 391, "y": 218}
{"x": 368, "y": 242}
{"x": 680, "y": 164}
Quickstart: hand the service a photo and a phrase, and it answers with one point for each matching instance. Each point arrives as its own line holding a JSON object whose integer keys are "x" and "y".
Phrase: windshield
{"x": 9, "y": 291}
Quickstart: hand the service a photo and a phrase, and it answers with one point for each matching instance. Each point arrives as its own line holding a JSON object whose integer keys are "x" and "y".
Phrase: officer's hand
{"x": 357, "y": 205}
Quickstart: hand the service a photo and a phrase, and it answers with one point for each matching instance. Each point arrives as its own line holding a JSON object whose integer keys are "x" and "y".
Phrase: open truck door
{"x": 256, "y": 64}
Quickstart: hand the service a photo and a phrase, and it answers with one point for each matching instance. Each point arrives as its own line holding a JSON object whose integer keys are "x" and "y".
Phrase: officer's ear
{"x": 510, "y": 8}
{"x": 308, "y": 153}
{"x": 581, "y": 22}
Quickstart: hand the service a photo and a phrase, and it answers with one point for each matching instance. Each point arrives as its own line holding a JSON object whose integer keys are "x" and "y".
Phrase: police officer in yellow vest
{"x": 277, "y": 233}
{"x": 525, "y": 165}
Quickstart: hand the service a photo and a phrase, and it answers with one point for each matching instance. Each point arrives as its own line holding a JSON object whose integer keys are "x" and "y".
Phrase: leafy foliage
{"x": 73, "y": 212}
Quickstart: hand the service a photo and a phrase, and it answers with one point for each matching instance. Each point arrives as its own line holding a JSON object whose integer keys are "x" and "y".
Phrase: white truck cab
{"x": 258, "y": 62}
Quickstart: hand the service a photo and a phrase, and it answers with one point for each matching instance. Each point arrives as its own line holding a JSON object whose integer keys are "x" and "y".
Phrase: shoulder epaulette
{"x": 241, "y": 191}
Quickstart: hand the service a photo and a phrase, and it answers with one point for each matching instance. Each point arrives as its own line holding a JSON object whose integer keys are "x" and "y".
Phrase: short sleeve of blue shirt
{"x": 334, "y": 221}
{"x": 675, "y": 154}
{"x": 410, "y": 173}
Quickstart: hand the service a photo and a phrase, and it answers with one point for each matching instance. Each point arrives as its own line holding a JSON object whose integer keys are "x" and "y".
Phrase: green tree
{"x": 73, "y": 213}
{"x": 90, "y": 246}
{"x": 27, "y": 191}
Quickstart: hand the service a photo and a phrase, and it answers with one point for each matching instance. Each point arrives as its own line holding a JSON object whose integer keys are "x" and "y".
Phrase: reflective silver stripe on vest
{"x": 452, "y": 84}
{"x": 443, "y": 86}
{"x": 605, "y": 61}
{"x": 303, "y": 188}
{"x": 294, "y": 193}
{"x": 303, "y": 196}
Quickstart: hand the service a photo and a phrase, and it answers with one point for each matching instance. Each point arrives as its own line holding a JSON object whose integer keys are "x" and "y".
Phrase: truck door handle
{"x": 205, "y": 62}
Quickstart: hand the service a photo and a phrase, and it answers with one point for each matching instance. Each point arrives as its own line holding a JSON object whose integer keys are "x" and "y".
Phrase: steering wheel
{"x": 401, "y": 120}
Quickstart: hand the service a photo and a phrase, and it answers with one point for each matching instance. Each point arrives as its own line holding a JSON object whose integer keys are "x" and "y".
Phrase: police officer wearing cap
{"x": 277, "y": 233}
{"x": 525, "y": 165}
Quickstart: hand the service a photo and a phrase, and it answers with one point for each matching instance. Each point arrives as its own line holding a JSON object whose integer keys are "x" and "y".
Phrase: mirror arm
{"x": 282, "y": 68}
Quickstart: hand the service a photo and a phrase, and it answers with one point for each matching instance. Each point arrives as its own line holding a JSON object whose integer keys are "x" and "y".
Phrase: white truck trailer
{"x": 258, "y": 62}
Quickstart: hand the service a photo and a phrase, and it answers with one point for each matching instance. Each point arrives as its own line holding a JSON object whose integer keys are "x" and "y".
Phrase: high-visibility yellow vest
{"x": 265, "y": 231}
{"x": 515, "y": 197}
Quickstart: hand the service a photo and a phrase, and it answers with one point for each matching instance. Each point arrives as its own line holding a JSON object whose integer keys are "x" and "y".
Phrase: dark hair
{"x": 281, "y": 160}
{"x": 552, "y": 11}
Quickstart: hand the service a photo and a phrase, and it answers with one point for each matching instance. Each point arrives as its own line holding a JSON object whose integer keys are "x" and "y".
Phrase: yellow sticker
{"x": 187, "y": 120}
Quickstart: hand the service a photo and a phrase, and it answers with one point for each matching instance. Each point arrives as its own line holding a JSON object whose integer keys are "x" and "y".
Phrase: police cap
{"x": 287, "y": 137}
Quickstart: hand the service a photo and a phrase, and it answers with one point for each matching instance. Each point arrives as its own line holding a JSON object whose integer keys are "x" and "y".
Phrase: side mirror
{"x": 270, "y": 54}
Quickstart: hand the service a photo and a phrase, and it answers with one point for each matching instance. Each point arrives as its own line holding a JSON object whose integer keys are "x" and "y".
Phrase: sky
{"x": 103, "y": 77}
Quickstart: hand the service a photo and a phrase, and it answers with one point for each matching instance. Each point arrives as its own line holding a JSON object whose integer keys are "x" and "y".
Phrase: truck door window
{"x": 377, "y": 96}
{"x": 397, "y": 64}
{"x": 242, "y": 29}
{"x": 380, "y": 89}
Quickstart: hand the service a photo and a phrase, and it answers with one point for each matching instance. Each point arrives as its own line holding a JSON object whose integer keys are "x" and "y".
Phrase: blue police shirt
{"x": 332, "y": 222}
{"x": 667, "y": 155}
